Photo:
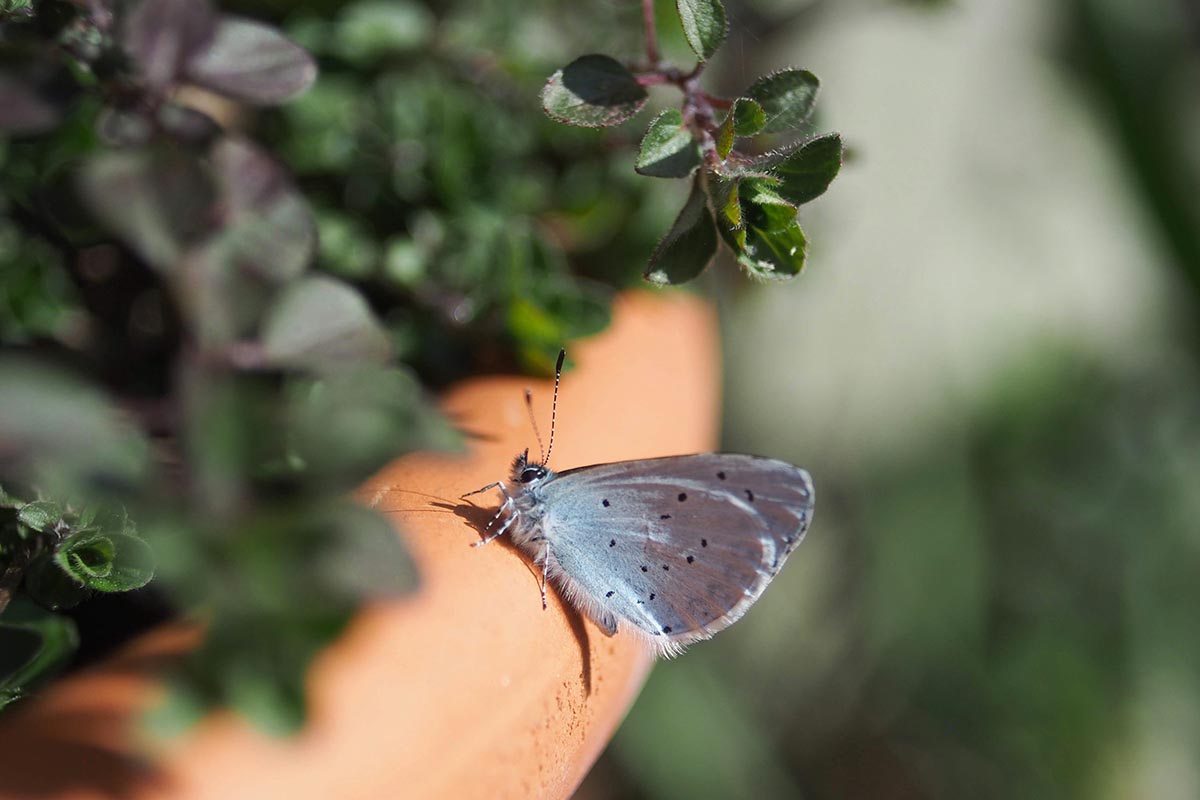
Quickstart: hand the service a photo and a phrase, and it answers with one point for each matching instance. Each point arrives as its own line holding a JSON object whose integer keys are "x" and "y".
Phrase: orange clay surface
{"x": 466, "y": 688}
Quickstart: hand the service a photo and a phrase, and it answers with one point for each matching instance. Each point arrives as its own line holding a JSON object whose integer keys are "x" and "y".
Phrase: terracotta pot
{"x": 466, "y": 688}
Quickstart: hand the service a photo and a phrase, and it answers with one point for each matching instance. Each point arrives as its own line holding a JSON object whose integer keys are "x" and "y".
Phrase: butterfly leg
{"x": 512, "y": 517}
{"x": 545, "y": 565}
{"x": 483, "y": 489}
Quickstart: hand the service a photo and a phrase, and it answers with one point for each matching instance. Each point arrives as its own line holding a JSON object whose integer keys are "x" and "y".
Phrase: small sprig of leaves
{"x": 748, "y": 200}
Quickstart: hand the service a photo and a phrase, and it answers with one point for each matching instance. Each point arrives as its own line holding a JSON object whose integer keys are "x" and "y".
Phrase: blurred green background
{"x": 989, "y": 366}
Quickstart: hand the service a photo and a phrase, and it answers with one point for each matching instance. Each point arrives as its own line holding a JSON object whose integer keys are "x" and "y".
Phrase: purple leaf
{"x": 158, "y": 200}
{"x": 161, "y": 35}
{"x": 267, "y": 228}
{"x": 252, "y": 62}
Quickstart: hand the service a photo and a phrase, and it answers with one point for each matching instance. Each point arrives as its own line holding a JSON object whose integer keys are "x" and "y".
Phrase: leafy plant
{"x": 750, "y": 200}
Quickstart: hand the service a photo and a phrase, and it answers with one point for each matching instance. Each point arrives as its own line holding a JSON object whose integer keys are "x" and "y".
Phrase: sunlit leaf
{"x": 703, "y": 25}
{"x": 593, "y": 91}
{"x": 787, "y": 98}
{"x": 668, "y": 149}
{"x": 805, "y": 169}
{"x": 745, "y": 118}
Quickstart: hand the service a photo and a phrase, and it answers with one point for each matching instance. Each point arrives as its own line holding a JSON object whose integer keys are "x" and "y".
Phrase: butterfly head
{"x": 525, "y": 473}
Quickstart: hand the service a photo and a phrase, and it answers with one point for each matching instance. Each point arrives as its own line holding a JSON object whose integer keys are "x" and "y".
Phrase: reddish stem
{"x": 651, "y": 34}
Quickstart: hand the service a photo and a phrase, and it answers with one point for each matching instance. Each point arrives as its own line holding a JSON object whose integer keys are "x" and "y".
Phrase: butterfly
{"x": 674, "y": 548}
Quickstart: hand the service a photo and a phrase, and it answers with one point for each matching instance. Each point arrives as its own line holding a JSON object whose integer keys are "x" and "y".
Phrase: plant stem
{"x": 651, "y": 34}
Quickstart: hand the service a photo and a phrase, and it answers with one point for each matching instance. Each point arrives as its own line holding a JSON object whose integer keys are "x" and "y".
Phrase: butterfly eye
{"x": 532, "y": 474}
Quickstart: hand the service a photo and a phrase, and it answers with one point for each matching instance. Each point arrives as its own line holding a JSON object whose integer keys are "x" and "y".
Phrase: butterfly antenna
{"x": 562, "y": 356}
{"x": 533, "y": 422}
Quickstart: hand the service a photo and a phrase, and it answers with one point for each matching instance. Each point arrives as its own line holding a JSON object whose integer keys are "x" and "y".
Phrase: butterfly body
{"x": 674, "y": 549}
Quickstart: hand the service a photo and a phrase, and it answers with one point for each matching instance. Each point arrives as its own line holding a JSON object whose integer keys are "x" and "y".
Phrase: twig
{"x": 651, "y": 34}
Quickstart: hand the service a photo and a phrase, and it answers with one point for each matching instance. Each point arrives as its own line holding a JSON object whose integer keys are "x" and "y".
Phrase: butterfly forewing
{"x": 677, "y": 547}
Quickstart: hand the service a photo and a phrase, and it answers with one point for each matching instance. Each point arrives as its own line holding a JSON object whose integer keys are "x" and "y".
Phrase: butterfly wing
{"x": 678, "y": 547}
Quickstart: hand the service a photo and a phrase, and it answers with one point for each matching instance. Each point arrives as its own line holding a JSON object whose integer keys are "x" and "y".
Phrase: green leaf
{"x": 593, "y": 91}
{"x": 745, "y": 118}
{"x": 347, "y": 424}
{"x": 130, "y": 562}
{"x": 365, "y": 558}
{"x": 688, "y": 247}
{"x": 668, "y": 149}
{"x": 323, "y": 323}
{"x": 57, "y": 428}
{"x": 48, "y": 585}
{"x": 805, "y": 169}
{"x": 86, "y": 557}
{"x": 34, "y": 644}
{"x": 41, "y": 515}
{"x": 787, "y": 98}
{"x": 774, "y": 255}
{"x": 703, "y": 25}
{"x": 763, "y": 208}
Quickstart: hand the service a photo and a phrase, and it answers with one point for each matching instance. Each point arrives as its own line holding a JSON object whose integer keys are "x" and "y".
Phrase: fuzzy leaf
{"x": 745, "y": 118}
{"x": 251, "y": 62}
{"x": 805, "y": 169}
{"x": 117, "y": 562}
{"x": 688, "y": 247}
{"x": 703, "y": 25}
{"x": 86, "y": 556}
{"x": 668, "y": 149}
{"x": 41, "y": 515}
{"x": 594, "y": 91}
{"x": 775, "y": 255}
{"x": 787, "y": 98}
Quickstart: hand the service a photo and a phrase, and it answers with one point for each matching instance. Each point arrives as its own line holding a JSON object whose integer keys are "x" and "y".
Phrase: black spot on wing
{"x": 721, "y": 475}
{"x": 605, "y": 503}
{"x": 682, "y": 496}
{"x": 690, "y": 559}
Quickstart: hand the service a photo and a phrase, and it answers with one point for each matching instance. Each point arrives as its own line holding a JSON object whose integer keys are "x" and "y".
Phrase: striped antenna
{"x": 562, "y": 356}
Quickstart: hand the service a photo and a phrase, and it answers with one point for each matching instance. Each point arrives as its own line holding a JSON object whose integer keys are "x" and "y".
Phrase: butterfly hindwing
{"x": 678, "y": 548}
